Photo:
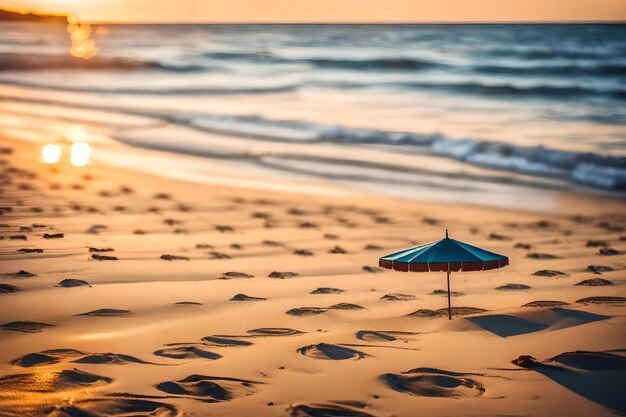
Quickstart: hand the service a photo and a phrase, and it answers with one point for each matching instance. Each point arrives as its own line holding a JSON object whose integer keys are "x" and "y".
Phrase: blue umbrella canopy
{"x": 446, "y": 255}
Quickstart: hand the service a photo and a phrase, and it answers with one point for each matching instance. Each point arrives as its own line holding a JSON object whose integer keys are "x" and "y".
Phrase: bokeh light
{"x": 80, "y": 34}
{"x": 80, "y": 154}
{"x": 51, "y": 154}
{"x": 77, "y": 133}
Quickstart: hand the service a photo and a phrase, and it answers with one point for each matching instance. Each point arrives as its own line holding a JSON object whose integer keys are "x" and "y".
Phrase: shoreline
{"x": 260, "y": 164}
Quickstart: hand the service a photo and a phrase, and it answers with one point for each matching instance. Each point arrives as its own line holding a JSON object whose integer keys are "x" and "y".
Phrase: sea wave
{"x": 543, "y": 91}
{"x": 42, "y": 62}
{"x": 31, "y": 62}
{"x": 617, "y": 70}
{"x": 188, "y": 91}
{"x": 364, "y": 64}
{"x": 541, "y": 54}
{"x": 592, "y": 169}
{"x": 296, "y": 130}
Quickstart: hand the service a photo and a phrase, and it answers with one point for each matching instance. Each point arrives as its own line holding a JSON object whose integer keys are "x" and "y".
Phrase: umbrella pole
{"x": 449, "y": 304}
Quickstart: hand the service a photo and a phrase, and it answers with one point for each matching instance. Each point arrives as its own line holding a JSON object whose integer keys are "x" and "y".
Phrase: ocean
{"x": 462, "y": 111}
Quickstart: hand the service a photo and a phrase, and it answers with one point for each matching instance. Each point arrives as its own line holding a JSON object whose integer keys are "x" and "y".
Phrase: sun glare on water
{"x": 77, "y": 133}
{"x": 80, "y": 34}
{"x": 51, "y": 154}
{"x": 80, "y": 154}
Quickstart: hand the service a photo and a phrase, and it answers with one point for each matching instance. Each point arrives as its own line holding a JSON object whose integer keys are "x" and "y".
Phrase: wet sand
{"x": 123, "y": 293}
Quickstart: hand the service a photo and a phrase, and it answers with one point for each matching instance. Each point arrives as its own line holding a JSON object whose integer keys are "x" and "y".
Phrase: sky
{"x": 328, "y": 10}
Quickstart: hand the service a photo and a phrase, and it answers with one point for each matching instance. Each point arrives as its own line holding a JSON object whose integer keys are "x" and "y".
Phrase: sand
{"x": 123, "y": 292}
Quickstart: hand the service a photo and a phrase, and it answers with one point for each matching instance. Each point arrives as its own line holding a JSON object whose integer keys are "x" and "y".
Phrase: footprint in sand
{"x": 174, "y": 258}
{"x": 346, "y": 306}
{"x": 312, "y": 311}
{"x": 118, "y": 407}
{"x": 101, "y": 258}
{"x": 244, "y": 297}
{"x": 272, "y": 243}
{"x": 55, "y": 380}
{"x": 20, "y": 274}
{"x": 325, "y": 410}
{"x": 283, "y": 275}
{"x": 52, "y": 356}
{"x": 599, "y": 269}
{"x": 496, "y": 236}
{"x": 513, "y": 287}
{"x": 29, "y": 250}
{"x": 187, "y": 352}
{"x": 595, "y": 282}
{"x": 218, "y": 255}
{"x": 445, "y": 293}
{"x": 162, "y": 196}
{"x": 608, "y": 252}
{"x": 456, "y": 311}
{"x": 337, "y": 249}
{"x": 224, "y": 342}
{"x": 522, "y": 246}
{"x": 382, "y": 336}
{"x": 602, "y": 300}
{"x": 210, "y": 388}
{"x": 8, "y": 288}
{"x": 306, "y": 311}
{"x": 372, "y": 269}
{"x": 327, "y": 351}
{"x": 188, "y": 303}
{"x": 25, "y": 326}
{"x": 71, "y": 283}
{"x": 273, "y": 331}
{"x": 231, "y": 274}
{"x": 107, "y": 312}
{"x": 535, "y": 255}
{"x": 108, "y": 359}
{"x": 430, "y": 382}
{"x": 397, "y": 297}
{"x": 53, "y": 236}
{"x": 46, "y": 357}
{"x": 92, "y": 249}
{"x": 326, "y": 290}
{"x": 550, "y": 273}
{"x": 545, "y": 303}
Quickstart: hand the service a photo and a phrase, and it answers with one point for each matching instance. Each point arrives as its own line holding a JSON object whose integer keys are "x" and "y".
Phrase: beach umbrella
{"x": 447, "y": 255}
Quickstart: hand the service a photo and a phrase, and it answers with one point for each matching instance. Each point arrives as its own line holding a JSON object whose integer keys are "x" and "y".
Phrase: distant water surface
{"x": 546, "y": 103}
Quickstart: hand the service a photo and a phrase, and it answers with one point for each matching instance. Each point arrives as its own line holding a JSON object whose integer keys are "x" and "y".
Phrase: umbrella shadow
{"x": 504, "y": 325}
{"x": 597, "y": 376}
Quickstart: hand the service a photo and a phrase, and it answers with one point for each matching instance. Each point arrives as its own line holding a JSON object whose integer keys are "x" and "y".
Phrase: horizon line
{"x": 356, "y": 23}
{"x": 329, "y": 22}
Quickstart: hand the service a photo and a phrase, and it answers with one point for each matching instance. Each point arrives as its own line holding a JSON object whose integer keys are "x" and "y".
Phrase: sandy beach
{"x": 125, "y": 293}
